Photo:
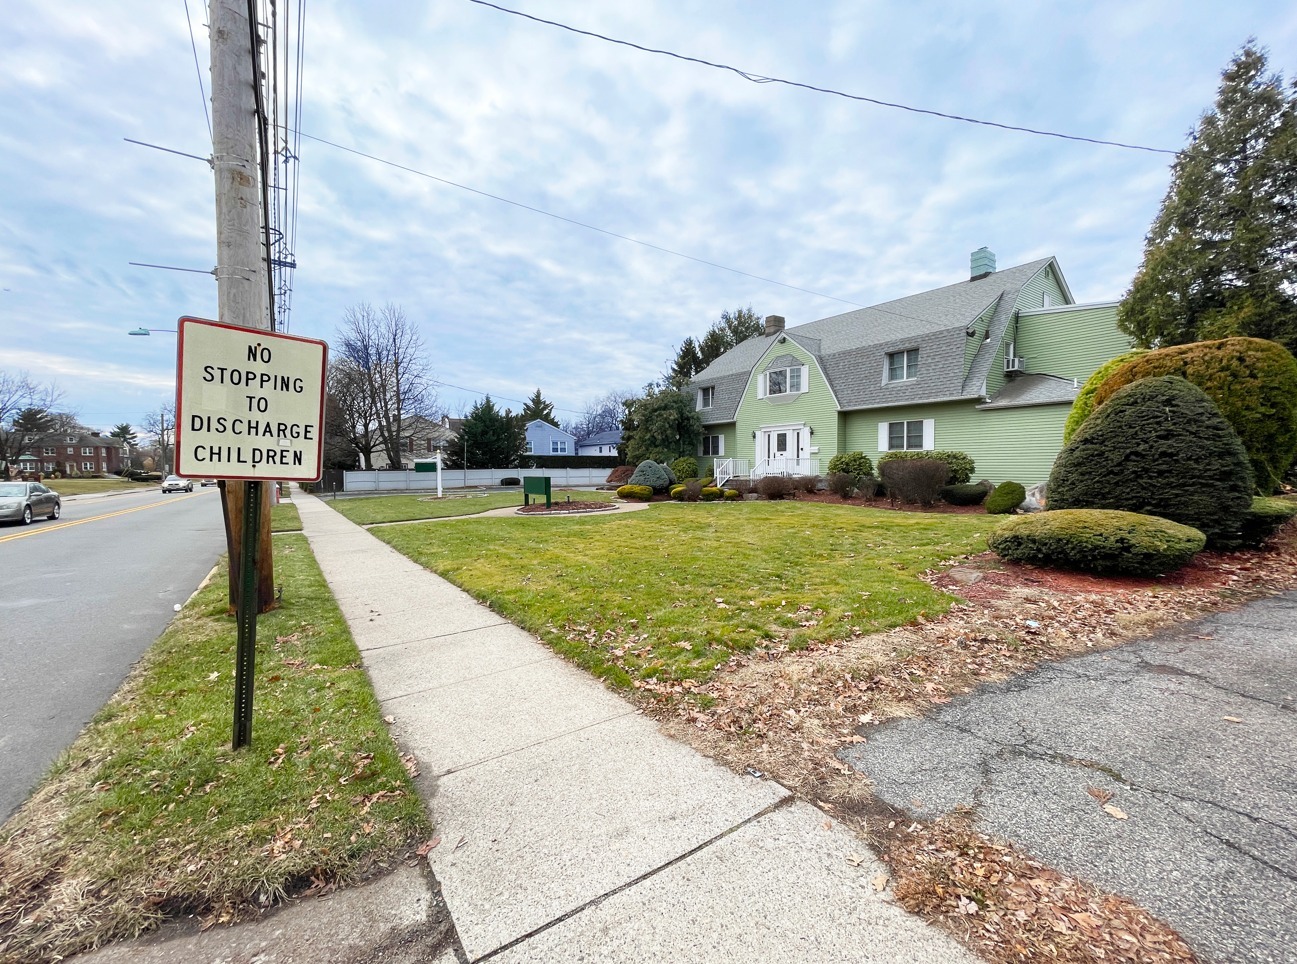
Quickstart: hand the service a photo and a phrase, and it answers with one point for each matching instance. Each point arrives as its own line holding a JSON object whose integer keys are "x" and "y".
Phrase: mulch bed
{"x": 940, "y": 508}
{"x": 565, "y": 508}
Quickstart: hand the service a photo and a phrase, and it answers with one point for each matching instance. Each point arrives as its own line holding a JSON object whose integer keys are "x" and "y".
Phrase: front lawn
{"x": 671, "y": 593}
{"x": 151, "y": 815}
{"x": 67, "y": 487}
{"x": 367, "y": 510}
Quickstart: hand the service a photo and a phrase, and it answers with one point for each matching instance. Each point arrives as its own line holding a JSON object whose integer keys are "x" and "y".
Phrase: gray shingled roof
{"x": 603, "y": 438}
{"x": 1021, "y": 391}
{"x": 851, "y": 348}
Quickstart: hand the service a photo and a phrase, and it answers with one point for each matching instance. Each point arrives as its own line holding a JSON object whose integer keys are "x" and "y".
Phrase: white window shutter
{"x": 806, "y": 375}
{"x": 929, "y": 435}
{"x": 882, "y": 436}
{"x": 720, "y": 445}
{"x": 761, "y": 385}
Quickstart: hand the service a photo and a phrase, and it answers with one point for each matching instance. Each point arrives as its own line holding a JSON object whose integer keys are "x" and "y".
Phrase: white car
{"x": 174, "y": 483}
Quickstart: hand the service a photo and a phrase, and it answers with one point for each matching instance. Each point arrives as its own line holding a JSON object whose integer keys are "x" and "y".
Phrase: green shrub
{"x": 641, "y": 493}
{"x": 654, "y": 475}
{"x": 1084, "y": 403}
{"x": 711, "y": 494}
{"x": 742, "y": 486}
{"x": 732, "y": 495}
{"x": 685, "y": 467}
{"x": 671, "y": 476}
{"x": 510, "y": 480}
{"x": 868, "y": 486}
{"x": 1159, "y": 446}
{"x": 1097, "y": 540}
{"x": 1263, "y": 519}
{"x": 1252, "y": 381}
{"x": 913, "y": 480}
{"x": 960, "y": 465}
{"x": 677, "y": 492}
{"x": 851, "y": 463}
{"x": 707, "y": 480}
{"x": 810, "y": 484}
{"x": 841, "y": 484}
{"x": 1006, "y": 497}
{"x": 970, "y": 493}
{"x": 775, "y": 486}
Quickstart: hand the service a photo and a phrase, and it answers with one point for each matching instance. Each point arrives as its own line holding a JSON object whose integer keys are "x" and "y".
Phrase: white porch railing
{"x": 726, "y": 469}
{"x": 785, "y": 466}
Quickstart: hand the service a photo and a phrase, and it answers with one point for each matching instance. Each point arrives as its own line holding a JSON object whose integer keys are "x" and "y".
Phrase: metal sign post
{"x": 245, "y": 659}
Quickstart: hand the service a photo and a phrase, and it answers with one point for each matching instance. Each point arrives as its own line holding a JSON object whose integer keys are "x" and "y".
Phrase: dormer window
{"x": 707, "y": 397}
{"x": 783, "y": 381}
{"x": 902, "y": 366}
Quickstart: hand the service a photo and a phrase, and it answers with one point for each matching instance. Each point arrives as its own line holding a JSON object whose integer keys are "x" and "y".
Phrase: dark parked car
{"x": 22, "y": 501}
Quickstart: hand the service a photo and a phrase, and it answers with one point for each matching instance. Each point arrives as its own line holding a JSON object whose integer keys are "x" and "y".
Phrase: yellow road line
{"x": 94, "y": 518}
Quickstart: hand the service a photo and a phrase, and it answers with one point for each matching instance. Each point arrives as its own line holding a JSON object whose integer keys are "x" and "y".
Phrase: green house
{"x": 989, "y": 366}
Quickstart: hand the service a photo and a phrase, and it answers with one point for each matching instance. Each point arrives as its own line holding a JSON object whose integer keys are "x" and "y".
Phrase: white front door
{"x": 782, "y": 447}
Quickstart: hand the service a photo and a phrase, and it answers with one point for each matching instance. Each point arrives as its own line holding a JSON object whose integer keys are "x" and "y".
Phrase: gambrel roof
{"x": 851, "y": 348}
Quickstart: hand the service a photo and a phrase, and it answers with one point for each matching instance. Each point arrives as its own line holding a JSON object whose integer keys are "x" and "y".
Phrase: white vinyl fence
{"x": 409, "y": 480}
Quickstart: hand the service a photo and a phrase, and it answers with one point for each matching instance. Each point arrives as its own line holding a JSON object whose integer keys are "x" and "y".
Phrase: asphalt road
{"x": 1193, "y": 732}
{"x": 80, "y": 600}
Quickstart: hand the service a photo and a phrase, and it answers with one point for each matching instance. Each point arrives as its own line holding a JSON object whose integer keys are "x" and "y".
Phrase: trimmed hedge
{"x": 1084, "y": 403}
{"x": 970, "y": 493}
{"x": 511, "y": 480}
{"x": 1105, "y": 541}
{"x": 914, "y": 480}
{"x": 1159, "y": 446}
{"x": 1006, "y": 497}
{"x": 841, "y": 484}
{"x": 654, "y": 475}
{"x": 1265, "y": 517}
{"x": 960, "y": 464}
{"x": 1252, "y": 381}
{"x": 711, "y": 494}
{"x": 640, "y": 493}
{"x": 685, "y": 467}
{"x": 775, "y": 486}
{"x": 731, "y": 495}
{"x": 851, "y": 463}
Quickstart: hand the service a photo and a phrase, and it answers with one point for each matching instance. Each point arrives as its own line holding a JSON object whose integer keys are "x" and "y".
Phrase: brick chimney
{"x": 981, "y": 263}
{"x": 774, "y": 324}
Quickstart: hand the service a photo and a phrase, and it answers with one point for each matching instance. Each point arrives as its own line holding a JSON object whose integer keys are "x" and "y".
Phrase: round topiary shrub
{"x": 775, "y": 487}
{"x": 732, "y": 495}
{"x": 970, "y": 493}
{"x": 851, "y": 463}
{"x": 1265, "y": 517}
{"x": 1159, "y": 446}
{"x": 1097, "y": 540}
{"x": 1006, "y": 497}
{"x": 711, "y": 493}
{"x": 640, "y": 493}
{"x": 653, "y": 474}
{"x": 685, "y": 467}
{"x": 510, "y": 480}
{"x": 1252, "y": 381}
{"x": 1084, "y": 402}
{"x": 677, "y": 492}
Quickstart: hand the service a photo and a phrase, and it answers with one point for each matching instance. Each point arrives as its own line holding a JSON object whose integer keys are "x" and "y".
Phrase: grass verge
{"x": 667, "y": 595}
{"x": 284, "y": 517}
{"x": 151, "y": 815}
{"x": 368, "y": 510}
{"x": 67, "y": 487}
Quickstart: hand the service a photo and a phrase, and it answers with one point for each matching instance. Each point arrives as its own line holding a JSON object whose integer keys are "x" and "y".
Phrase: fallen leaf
{"x": 427, "y": 845}
{"x": 1103, "y": 796}
{"x": 1231, "y": 719}
{"x": 1114, "y": 811}
{"x": 389, "y": 720}
{"x": 880, "y": 882}
{"x": 855, "y": 859}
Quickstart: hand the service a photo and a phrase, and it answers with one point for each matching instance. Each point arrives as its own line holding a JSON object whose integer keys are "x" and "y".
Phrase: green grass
{"x": 285, "y": 518}
{"x": 150, "y": 813}
{"x": 671, "y": 593}
{"x": 367, "y": 510}
{"x": 66, "y": 487}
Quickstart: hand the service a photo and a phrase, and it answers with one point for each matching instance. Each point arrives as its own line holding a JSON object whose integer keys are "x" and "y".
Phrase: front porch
{"x": 726, "y": 469}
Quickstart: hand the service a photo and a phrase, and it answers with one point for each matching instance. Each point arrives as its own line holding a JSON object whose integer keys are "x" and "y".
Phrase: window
{"x": 529, "y": 451}
{"x": 713, "y": 445}
{"x": 902, "y": 365}
{"x": 782, "y": 381}
{"x": 69, "y": 438}
{"x": 1045, "y": 300}
{"x": 707, "y": 396}
{"x": 49, "y": 466}
{"x": 48, "y": 450}
{"x": 557, "y": 446}
{"x": 71, "y": 450}
{"x": 912, "y": 435}
{"x": 87, "y": 466}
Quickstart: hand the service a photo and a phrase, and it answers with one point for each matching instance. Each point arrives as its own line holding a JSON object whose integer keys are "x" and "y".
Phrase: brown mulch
{"x": 563, "y": 508}
{"x": 937, "y": 508}
{"x": 787, "y": 713}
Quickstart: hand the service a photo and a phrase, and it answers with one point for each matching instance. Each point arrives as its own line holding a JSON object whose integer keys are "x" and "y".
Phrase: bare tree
{"x": 161, "y": 424}
{"x": 353, "y": 416}
{"x": 603, "y": 414}
{"x": 386, "y": 352}
{"x": 21, "y": 400}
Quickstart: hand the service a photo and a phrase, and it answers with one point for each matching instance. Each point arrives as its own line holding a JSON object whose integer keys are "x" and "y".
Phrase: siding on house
{"x": 980, "y": 326}
{"x": 814, "y": 407}
{"x": 1017, "y": 444}
{"x": 729, "y": 450}
{"x": 1071, "y": 341}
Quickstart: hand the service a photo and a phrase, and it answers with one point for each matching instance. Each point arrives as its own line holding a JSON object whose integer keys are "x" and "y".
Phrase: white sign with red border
{"x": 249, "y": 403}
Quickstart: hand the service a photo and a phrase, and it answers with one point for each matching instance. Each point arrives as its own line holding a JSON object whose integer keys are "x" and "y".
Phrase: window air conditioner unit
{"x": 1015, "y": 364}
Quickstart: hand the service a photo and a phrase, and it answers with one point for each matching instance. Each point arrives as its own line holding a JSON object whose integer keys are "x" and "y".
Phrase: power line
{"x": 762, "y": 79}
{"x": 573, "y": 221}
{"x": 201, "y": 90}
{"x": 503, "y": 398}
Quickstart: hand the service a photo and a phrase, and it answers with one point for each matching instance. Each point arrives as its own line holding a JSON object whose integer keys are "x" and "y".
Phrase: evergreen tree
{"x": 686, "y": 363}
{"x": 489, "y": 439}
{"x": 124, "y": 432}
{"x": 732, "y": 328}
{"x": 1220, "y": 258}
{"x": 538, "y": 408}
{"x": 662, "y": 426}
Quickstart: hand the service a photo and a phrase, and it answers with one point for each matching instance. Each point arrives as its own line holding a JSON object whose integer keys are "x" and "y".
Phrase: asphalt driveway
{"x": 1193, "y": 732}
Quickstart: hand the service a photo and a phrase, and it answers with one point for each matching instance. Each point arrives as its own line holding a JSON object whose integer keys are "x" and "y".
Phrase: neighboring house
{"x": 602, "y": 443}
{"x": 421, "y": 438}
{"x": 546, "y": 439}
{"x": 73, "y": 453}
{"x": 988, "y": 366}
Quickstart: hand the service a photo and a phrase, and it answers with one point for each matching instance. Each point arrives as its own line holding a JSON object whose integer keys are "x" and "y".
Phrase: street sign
{"x": 249, "y": 403}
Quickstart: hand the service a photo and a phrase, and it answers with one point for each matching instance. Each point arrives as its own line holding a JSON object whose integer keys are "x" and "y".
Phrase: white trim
{"x": 754, "y": 373}
{"x": 699, "y": 404}
{"x": 905, "y": 365}
{"x": 1055, "y": 309}
{"x": 929, "y": 434}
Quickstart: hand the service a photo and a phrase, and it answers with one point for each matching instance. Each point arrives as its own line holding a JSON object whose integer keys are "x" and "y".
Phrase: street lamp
{"x": 147, "y": 331}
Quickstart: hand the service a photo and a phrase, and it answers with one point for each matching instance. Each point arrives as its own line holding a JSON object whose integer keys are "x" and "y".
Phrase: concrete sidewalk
{"x": 570, "y": 828}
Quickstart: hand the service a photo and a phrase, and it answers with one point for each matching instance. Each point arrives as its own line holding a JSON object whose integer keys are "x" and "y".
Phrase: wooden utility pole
{"x": 241, "y": 287}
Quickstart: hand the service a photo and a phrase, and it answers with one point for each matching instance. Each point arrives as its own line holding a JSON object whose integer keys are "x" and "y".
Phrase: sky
{"x": 835, "y": 203}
